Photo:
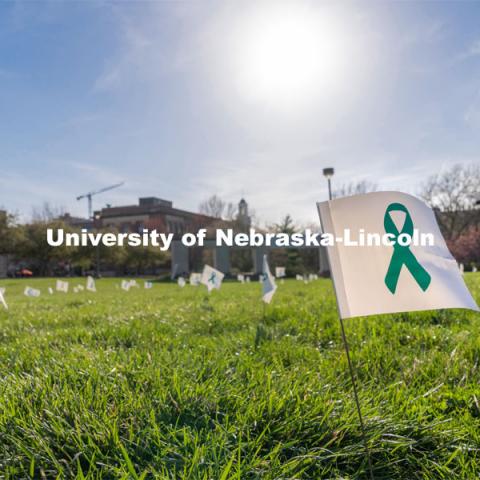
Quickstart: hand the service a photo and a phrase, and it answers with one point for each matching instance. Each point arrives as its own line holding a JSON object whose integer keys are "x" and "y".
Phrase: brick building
{"x": 154, "y": 213}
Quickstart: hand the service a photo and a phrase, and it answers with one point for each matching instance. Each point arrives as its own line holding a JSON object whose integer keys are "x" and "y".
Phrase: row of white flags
{"x": 368, "y": 280}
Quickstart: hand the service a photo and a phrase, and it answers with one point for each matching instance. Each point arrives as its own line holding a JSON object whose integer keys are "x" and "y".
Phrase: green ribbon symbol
{"x": 402, "y": 255}
{"x": 212, "y": 278}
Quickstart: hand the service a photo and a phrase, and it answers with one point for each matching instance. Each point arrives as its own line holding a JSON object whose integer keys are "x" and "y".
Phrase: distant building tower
{"x": 243, "y": 218}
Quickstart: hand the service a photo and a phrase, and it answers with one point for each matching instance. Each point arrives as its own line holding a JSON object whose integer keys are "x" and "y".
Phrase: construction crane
{"x": 89, "y": 196}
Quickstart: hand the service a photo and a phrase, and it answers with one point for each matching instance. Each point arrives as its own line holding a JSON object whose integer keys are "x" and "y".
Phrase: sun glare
{"x": 289, "y": 55}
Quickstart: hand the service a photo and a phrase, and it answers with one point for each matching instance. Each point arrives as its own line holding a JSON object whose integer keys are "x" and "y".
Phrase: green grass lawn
{"x": 174, "y": 383}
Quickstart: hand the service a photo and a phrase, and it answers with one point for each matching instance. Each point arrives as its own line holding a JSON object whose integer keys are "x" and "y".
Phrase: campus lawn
{"x": 174, "y": 383}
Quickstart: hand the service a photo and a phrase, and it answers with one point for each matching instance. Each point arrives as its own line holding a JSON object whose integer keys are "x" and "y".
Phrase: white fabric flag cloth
{"x": 241, "y": 278}
{"x": 50, "y": 290}
{"x": 195, "y": 279}
{"x": 269, "y": 286}
{"x": 62, "y": 286}
{"x": 371, "y": 280}
{"x": 126, "y": 285}
{"x": 181, "y": 282}
{"x": 279, "y": 272}
{"x": 299, "y": 277}
{"x": 2, "y": 298}
{"x": 212, "y": 278}
{"x": 148, "y": 285}
{"x": 91, "y": 284}
{"x": 31, "y": 292}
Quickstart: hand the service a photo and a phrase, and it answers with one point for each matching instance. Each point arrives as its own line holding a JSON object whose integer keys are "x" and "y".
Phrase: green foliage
{"x": 173, "y": 383}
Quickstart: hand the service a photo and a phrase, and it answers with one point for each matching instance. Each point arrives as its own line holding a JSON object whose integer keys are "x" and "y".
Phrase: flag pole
{"x": 355, "y": 395}
{"x": 328, "y": 173}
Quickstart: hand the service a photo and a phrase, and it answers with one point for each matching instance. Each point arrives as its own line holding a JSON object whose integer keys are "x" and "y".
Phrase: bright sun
{"x": 288, "y": 54}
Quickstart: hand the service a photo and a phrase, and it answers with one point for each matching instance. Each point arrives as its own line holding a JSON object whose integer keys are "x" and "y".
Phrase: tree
{"x": 293, "y": 260}
{"x": 35, "y": 249}
{"x": 355, "y": 188}
{"x": 218, "y": 208}
{"x": 453, "y": 194}
{"x": 10, "y": 233}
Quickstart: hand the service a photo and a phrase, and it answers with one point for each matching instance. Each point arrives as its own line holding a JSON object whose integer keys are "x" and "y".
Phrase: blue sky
{"x": 160, "y": 95}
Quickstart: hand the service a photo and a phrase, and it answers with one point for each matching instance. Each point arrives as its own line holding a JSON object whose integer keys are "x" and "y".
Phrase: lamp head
{"x": 328, "y": 172}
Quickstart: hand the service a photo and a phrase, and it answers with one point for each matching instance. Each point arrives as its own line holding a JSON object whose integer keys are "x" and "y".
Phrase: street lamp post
{"x": 97, "y": 252}
{"x": 328, "y": 174}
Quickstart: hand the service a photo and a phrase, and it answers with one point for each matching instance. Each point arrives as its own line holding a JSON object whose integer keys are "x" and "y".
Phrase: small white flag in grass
{"x": 50, "y": 290}
{"x": 181, "y": 282}
{"x": 299, "y": 277}
{"x": 80, "y": 288}
{"x": 269, "y": 286}
{"x": 195, "y": 279}
{"x": 2, "y": 298}
{"x": 279, "y": 272}
{"x": 212, "y": 278}
{"x": 391, "y": 277}
{"x": 31, "y": 292}
{"x": 91, "y": 284}
{"x": 75, "y": 289}
{"x": 2, "y": 290}
{"x": 125, "y": 285}
{"x": 241, "y": 278}
{"x": 247, "y": 279}
{"x": 148, "y": 285}
{"x": 474, "y": 269}
{"x": 62, "y": 286}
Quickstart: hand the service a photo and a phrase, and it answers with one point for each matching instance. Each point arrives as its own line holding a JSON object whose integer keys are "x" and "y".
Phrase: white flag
{"x": 279, "y": 272}
{"x": 269, "y": 286}
{"x": 195, "y": 279}
{"x": 2, "y": 298}
{"x": 31, "y": 292}
{"x": 241, "y": 278}
{"x": 299, "y": 277}
{"x": 80, "y": 288}
{"x": 181, "y": 282}
{"x": 247, "y": 280}
{"x": 388, "y": 278}
{"x": 50, "y": 290}
{"x": 75, "y": 289}
{"x": 91, "y": 284}
{"x": 125, "y": 285}
{"x": 62, "y": 286}
{"x": 212, "y": 278}
{"x": 148, "y": 285}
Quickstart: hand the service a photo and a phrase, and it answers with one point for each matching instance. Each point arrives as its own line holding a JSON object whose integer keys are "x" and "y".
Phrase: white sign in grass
{"x": 91, "y": 284}
{"x": 2, "y": 299}
{"x": 181, "y": 282}
{"x": 148, "y": 285}
{"x": 31, "y": 292}
{"x": 381, "y": 278}
{"x": 195, "y": 279}
{"x": 268, "y": 282}
{"x": 279, "y": 272}
{"x": 62, "y": 286}
{"x": 212, "y": 278}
